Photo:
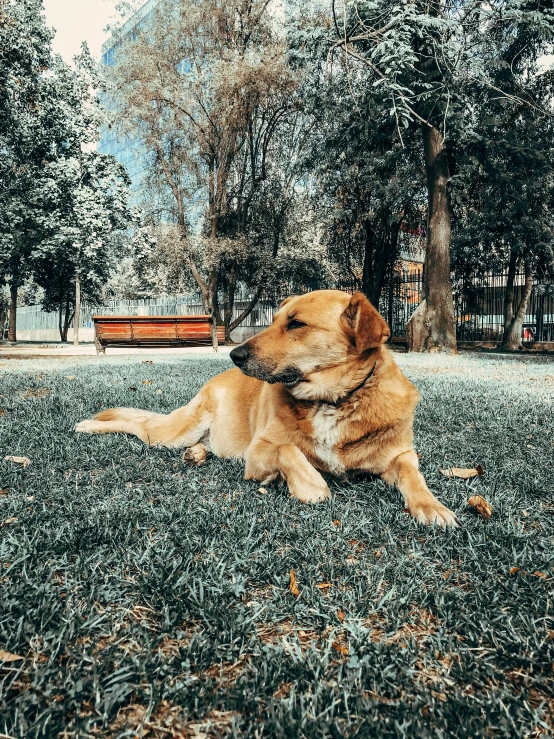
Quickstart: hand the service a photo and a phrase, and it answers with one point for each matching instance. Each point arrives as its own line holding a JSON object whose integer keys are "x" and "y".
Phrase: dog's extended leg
{"x": 182, "y": 428}
{"x": 422, "y": 504}
{"x": 265, "y": 460}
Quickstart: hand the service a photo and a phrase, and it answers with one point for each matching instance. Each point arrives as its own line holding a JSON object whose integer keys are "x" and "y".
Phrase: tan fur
{"x": 347, "y": 407}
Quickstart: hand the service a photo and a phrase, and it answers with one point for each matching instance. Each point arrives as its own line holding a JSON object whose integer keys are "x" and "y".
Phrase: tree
{"x": 59, "y": 202}
{"x": 87, "y": 201}
{"x": 366, "y": 180}
{"x": 503, "y": 190}
{"x": 431, "y": 59}
{"x": 208, "y": 90}
{"x": 25, "y": 136}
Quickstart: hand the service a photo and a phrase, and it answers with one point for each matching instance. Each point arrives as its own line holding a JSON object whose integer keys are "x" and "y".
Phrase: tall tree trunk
{"x": 77, "y": 316}
{"x": 12, "y": 325}
{"x": 367, "y": 272}
{"x": 229, "y": 302}
{"x": 395, "y": 230}
{"x": 439, "y": 321}
{"x": 509, "y": 294}
{"x": 213, "y": 307}
{"x": 60, "y": 320}
{"x": 67, "y": 317}
{"x": 512, "y": 337}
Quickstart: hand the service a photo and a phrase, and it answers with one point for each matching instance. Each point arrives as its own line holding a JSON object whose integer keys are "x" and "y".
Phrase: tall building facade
{"x": 128, "y": 151}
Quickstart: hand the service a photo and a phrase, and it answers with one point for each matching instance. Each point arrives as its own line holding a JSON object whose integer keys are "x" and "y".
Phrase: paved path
{"x": 38, "y": 349}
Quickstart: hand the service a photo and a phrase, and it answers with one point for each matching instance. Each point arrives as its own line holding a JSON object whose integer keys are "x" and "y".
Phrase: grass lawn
{"x": 146, "y": 598}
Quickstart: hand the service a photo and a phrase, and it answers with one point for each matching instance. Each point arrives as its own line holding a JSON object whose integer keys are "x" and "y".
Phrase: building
{"x": 127, "y": 151}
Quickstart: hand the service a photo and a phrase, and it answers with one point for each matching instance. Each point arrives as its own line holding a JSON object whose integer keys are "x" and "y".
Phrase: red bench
{"x": 150, "y": 331}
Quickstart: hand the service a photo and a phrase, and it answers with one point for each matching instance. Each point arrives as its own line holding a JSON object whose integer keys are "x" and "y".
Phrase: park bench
{"x": 153, "y": 331}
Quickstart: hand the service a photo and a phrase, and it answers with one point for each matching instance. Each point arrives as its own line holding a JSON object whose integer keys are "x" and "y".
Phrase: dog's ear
{"x": 286, "y": 300}
{"x": 363, "y": 324}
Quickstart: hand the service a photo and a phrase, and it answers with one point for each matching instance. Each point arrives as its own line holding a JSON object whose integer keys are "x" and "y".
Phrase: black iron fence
{"x": 479, "y": 304}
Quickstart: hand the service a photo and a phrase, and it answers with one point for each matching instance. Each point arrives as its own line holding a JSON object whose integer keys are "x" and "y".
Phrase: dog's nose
{"x": 240, "y": 354}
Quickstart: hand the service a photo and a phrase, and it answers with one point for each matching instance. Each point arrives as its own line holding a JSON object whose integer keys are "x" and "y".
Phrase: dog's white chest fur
{"x": 326, "y": 433}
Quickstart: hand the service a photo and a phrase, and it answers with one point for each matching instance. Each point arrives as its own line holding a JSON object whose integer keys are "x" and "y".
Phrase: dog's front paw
{"x": 309, "y": 493}
{"x": 196, "y": 455}
{"x": 87, "y": 427}
{"x": 430, "y": 511}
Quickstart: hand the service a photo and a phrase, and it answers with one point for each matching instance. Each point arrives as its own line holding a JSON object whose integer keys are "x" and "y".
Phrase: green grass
{"x": 151, "y": 599}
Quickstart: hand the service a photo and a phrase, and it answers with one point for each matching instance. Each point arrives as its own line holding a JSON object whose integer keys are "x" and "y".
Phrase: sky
{"x": 76, "y": 21}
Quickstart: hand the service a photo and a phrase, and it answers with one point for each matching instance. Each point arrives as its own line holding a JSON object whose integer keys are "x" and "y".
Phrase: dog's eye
{"x": 295, "y": 324}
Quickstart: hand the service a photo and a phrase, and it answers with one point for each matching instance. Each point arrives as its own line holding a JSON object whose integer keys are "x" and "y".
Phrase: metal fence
{"x": 479, "y": 305}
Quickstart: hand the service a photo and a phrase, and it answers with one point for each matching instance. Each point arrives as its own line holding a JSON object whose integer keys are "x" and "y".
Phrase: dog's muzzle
{"x": 263, "y": 369}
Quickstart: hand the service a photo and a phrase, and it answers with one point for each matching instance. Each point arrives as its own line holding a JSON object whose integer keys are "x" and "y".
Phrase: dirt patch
{"x": 168, "y": 720}
{"x": 37, "y": 392}
{"x": 227, "y": 673}
{"x": 422, "y": 625}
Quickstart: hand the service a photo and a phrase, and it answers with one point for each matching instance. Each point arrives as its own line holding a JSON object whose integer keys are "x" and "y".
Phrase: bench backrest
{"x": 153, "y": 329}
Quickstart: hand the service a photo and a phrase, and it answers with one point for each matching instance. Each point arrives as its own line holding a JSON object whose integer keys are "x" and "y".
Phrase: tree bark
{"x": 387, "y": 256}
{"x": 77, "y": 316}
{"x": 509, "y": 294}
{"x": 367, "y": 271}
{"x": 229, "y": 300}
{"x": 2, "y": 323}
{"x": 213, "y": 307}
{"x": 512, "y": 337}
{"x": 12, "y": 325}
{"x": 392, "y": 262}
{"x": 67, "y": 317}
{"x": 440, "y": 319}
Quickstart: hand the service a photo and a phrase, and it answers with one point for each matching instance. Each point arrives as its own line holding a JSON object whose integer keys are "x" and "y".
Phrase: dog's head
{"x": 315, "y": 341}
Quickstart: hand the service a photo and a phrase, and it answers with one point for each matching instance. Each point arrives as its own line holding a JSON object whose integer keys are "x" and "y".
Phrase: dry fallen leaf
{"x": 4, "y": 491}
{"x": 147, "y": 382}
{"x": 69, "y": 377}
{"x": 341, "y": 616}
{"x": 324, "y": 585}
{"x": 463, "y": 473}
{"x": 538, "y": 574}
{"x": 293, "y": 585}
{"x": 337, "y": 523}
{"x": 513, "y": 570}
{"x": 25, "y": 461}
{"x": 481, "y": 506}
{"x": 8, "y": 521}
{"x": 9, "y": 657}
{"x": 339, "y": 648}
{"x": 263, "y": 491}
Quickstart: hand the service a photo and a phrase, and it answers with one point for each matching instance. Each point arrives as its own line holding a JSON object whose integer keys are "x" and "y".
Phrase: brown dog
{"x": 317, "y": 390}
